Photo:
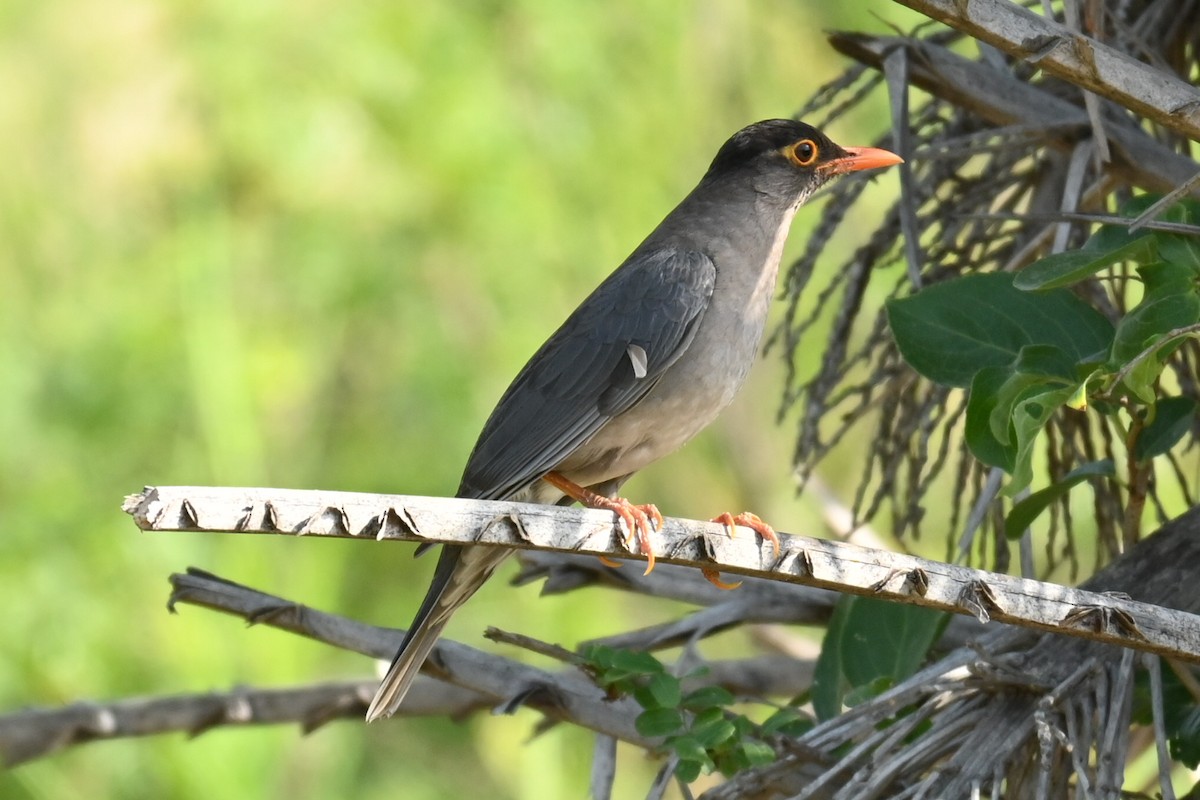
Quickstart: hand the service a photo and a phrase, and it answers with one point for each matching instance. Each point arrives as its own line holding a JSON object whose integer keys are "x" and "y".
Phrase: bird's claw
{"x": 714, "y": 577}
{"x": 749, "y": 520}
{"x": 640, "y": 522}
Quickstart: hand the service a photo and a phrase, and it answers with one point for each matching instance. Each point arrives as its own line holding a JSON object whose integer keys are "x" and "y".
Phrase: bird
{"x": 646, "y": 362}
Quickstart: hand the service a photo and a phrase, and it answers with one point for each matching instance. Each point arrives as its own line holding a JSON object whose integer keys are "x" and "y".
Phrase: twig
{"x": 38, "y": 732}
{"x": 568, "y": 695}
{"x": 1153, "y": 666}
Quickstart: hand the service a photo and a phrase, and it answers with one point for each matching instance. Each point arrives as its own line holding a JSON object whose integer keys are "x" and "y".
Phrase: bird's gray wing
{"x": 601, "y": 362}
{"x": 603, "y": 359}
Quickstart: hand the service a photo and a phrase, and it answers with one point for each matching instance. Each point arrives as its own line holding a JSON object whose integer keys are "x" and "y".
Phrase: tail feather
{"x": 459, "y": 574}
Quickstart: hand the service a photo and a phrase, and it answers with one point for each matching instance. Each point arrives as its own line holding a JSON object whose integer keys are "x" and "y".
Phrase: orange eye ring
{"x": 803, "y": 153}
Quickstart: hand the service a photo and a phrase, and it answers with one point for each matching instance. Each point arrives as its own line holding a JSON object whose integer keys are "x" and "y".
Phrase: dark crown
{"x": 762, "y": 137}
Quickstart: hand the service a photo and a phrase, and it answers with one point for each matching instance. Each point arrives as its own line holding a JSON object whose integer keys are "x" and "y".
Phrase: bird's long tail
{"x": 459, "y": 574}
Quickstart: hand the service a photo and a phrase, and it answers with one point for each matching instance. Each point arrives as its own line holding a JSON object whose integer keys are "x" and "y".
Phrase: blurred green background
{"x": 307, "y": 245}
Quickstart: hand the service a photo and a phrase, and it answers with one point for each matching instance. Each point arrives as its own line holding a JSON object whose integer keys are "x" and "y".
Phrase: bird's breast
{"x": 705, "y": 378}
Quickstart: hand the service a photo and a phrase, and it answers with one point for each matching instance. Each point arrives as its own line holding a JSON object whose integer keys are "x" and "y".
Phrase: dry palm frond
{"x": 1003, "y": 167}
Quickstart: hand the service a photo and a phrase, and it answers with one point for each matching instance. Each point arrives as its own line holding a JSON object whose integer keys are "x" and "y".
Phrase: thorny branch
{"x": 1009, "y": 669}
{"x": 812, "y": 562}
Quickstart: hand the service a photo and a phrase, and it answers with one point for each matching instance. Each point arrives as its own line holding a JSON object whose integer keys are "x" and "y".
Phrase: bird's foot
{"x": 714, "y": 577}
{"x": 640, "y": 520}
{"x": 754, "y": 523}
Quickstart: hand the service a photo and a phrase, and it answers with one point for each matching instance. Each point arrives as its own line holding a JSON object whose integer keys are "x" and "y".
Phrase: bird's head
{"x": 790, "y": 160}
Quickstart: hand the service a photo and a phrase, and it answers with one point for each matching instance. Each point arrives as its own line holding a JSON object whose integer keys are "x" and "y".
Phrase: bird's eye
{"x": 803, "y": 153}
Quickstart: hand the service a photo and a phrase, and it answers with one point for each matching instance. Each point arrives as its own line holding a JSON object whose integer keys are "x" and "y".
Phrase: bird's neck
{"x": 731, "y": 222}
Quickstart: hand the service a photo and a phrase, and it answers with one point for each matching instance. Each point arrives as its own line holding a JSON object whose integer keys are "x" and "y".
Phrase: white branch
{"x": 803, "y": 560}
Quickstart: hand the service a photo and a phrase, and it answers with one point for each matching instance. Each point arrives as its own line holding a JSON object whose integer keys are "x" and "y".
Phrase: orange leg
{"x": 752, "y": 521}
{"x": 640, "y": 521}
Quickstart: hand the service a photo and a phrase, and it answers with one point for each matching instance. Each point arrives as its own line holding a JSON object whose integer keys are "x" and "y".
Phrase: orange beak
{"x": 859, "y": 158}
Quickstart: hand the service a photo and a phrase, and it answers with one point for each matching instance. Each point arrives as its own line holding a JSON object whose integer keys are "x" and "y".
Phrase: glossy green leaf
{"x": 1173, "y": 417}
{"x": 1026, "y": 511}
{"x": 950, "y": 331}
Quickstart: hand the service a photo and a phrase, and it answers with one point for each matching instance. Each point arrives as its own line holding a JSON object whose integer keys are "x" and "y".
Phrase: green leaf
{"x": 1018, "y": 387}
{"x": 1026, "y": 511}
{"x": 1185, "y": 744}
{"x": 1047, "y": 361}
{"x": 981, "y": 402}
{"x": 756, "y": 753}
{"x": 1153, "y": 317}
{"x": 787, "y": 721}
{"x": 950, "y": 331}
{"x": 1173, "y": 417}
{"x": 688, "y": 770}
{"x": 637, "y": 661}
{"x": 875, "y": 687}
{"x": 706, "y": 697}
{"x": 1072, "y": 266}
{"x": 598, "y": 655}
{"x": 1029, "y": 416}
{"x": 885, "y": 639}
{"x": 1163, "y": 278}
{"x": 744, "y": 726}
{"x": 1181, "y": 715}
{"x": 1136, "y": 206}
{"x": 869, "y": 639}
{"x": 829, "y": 684}
{"x": 663, "y": 690}
{"x": 711, "y": 728}
{"x": 617, "y": 666}
{"x": 689, "y": 748}
{"x": 1179, "y": 248}
{"x": 654, "y": 722}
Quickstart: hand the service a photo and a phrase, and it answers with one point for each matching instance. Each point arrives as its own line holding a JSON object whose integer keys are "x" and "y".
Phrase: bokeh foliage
{"x": 307, "y": 245}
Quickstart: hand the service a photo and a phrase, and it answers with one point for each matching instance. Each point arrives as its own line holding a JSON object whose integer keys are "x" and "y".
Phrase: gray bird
{"x": 643, "y": 365}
